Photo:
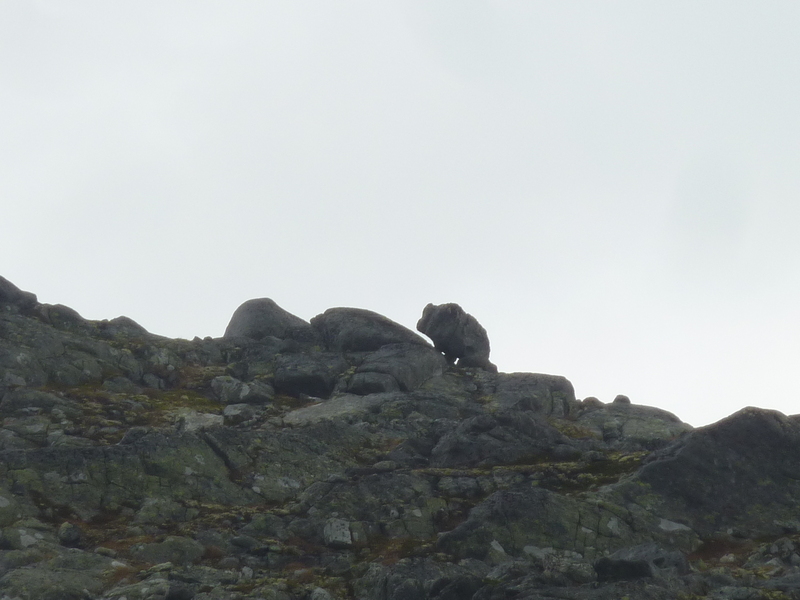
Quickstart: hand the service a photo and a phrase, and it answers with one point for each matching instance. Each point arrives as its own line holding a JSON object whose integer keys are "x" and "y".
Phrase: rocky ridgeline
{"x": 350, "y": 458}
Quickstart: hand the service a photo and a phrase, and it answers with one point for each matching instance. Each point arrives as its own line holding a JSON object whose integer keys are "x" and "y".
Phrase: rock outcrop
{"x": 346, "y": 458}
{"x": 739, "y": 477}
{"x": 11, "y": 295}
{"x": 457, "y": 334}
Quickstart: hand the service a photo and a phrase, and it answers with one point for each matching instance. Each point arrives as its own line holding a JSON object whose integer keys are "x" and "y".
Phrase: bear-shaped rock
{"x": 457, "y": 334}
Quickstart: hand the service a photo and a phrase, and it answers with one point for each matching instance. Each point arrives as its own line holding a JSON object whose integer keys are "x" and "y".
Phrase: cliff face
{"x": 347, "y": 458}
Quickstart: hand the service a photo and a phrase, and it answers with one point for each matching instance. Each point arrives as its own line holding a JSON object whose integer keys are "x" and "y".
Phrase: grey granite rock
{"x": 356, "y": 329}
{"x": 262, "y": 317}
{"x": 409, "y": 365}
{"x": 12, "y": 295}
{"x": 457, "y": 334}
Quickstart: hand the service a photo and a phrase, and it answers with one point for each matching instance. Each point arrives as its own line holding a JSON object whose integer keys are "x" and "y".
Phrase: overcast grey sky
{"x": 611, "y": 188}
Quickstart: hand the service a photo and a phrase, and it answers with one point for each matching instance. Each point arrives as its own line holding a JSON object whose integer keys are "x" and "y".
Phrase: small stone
{"x": 244, "y": 541}
{"x": 497, "y": 554}
{"x": 235, "y": 414}
{"x": 120, "y": 385}
{"x": 230, "y": 390}
{"x": 337, "y": 534}
{"x": 193, "y": 421}
{"x": 228, "y": 562}
{"x": 176, "y": 550}
{"x": 161, "y": 568}
{"x": 385, "y": 466}
{"x": 152, "y": 381}
{"x": 12, "y": 380}
{"x": 320, "y": 594}
{"x": 69, "y": 535}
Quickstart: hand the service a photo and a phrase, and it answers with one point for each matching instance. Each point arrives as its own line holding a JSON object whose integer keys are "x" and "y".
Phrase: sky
{"x": 611, "y": 188}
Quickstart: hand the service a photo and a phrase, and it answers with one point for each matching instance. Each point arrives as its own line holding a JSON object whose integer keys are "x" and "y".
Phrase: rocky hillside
{"x": 349, "y": 457}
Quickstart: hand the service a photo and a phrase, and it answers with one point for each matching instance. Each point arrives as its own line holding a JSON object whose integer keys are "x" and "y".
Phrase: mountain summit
{"x": 348, "y": 457}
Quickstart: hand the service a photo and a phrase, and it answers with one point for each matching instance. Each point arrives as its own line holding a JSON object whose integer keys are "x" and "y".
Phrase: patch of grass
{"x": 573, "y": 431}
{"x": 562, "y": 477}
{"x": 710, "y": 551}
{"x": 105, "y": 417}
{"x": 120, "y": 575}
{"x": 162, "y": 400}
{"x": 219, "y": 516}
{"x": 196, "y": 377}
{"x": 286, "y": 403}
{"x": 390, "y": 551}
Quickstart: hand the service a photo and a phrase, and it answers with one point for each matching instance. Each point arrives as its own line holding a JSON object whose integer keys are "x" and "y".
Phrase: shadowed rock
{"x": 407, "y": 365}
{"x": 457, "y": 334}
{"x": 314, "y": 375}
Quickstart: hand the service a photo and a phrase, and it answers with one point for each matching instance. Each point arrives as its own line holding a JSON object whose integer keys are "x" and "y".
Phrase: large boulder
{"x": 549, "y": 395}
{"x": 61, "y": 317}
{"x": 506, "y": 437}
{"x": 397, "y": 367}
{"x": 359, "y": 330}
{"x": 514, "y": 519}
{"x": 739, "y": 476}
{"x": 457, "y": 334}
{"x": 262, "y": 317}
{"x": 631, "y": 426}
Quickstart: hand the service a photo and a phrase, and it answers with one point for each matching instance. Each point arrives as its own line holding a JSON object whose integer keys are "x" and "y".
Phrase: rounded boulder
{"x": 359, "y": 330}
{"x": 262, "y": 317}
